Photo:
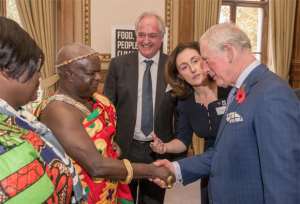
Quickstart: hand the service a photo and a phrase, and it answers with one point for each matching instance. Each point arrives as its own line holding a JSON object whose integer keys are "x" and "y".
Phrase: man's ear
{"x": 230, "y": 52}
{"x": 69, "y": 74}
{"x": 66, "y": 74}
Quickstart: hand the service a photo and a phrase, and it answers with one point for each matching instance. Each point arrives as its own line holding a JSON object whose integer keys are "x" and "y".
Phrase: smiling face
{"x": 86, "y": 76}
{"x": 189, "y": 67}
{"x": 149, "y": 36}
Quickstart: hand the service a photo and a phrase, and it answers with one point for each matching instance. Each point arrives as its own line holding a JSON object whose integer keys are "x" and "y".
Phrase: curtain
{"x": 2, "y": 7}
{"x": 281, "y": 30}
{"x": 38, "y": 19}
{"x": 206, "y": 15}
{"x": 173, "y": 23}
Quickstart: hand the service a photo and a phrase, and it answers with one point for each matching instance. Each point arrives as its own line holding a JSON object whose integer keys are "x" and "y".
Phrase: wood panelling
{"x": 295, "y": 64}
{"x": 186, "y": 20}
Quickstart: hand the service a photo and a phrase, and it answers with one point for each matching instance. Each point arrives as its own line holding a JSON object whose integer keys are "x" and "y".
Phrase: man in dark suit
{"x": 138, "y": 119}
{"x": 256, "y": 156}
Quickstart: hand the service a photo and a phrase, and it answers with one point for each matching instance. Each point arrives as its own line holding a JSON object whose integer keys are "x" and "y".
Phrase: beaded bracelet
{"x": 129, "y": 169}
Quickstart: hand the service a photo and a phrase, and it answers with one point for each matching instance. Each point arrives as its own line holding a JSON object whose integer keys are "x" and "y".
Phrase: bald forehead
{"x": 72, "y": 51}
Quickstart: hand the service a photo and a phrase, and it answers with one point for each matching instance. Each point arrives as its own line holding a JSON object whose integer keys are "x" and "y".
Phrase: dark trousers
{"x": 144, "y": 191}
{"x": 204, "y": 181}
{"x": 148, "y": 192}
{"x": 204, "y": 191}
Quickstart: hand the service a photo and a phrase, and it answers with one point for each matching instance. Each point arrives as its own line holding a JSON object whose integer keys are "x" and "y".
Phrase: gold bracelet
{"x": 129, "y": 169}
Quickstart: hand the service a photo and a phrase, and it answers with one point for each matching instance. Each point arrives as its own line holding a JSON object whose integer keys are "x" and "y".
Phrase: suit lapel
{"x": 160, "y": 84}
{"x": 251, "y": 80}
{"x": 133, "y": 74}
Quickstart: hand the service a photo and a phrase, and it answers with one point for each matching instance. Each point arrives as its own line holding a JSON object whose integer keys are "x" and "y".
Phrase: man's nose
{"x": 146, "y": 39}
{"x": 205, "y": 67}
{"x": 98, "y": 76}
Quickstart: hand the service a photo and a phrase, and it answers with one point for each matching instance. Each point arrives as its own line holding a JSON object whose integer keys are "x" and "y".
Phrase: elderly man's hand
{"x": 165, "y": 177}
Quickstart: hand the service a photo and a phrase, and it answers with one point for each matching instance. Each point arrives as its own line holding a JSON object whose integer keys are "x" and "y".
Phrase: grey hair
{"x": 160, "y": 21}
{"x": 226, "y": 33}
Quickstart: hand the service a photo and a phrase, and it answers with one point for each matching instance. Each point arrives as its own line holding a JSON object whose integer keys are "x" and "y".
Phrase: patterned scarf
{"x": 29, "y": 122}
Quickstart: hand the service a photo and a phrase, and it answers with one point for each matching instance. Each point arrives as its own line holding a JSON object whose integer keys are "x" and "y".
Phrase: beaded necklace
{"x": 71, "y": 101}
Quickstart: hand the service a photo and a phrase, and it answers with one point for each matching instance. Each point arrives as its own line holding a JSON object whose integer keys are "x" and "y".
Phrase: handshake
{"x": 165, "y": 166}
{"x": 163, "y": 173}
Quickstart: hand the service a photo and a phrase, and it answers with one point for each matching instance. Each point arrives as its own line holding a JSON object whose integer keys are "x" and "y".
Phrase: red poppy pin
{"x": 240, "y": 95}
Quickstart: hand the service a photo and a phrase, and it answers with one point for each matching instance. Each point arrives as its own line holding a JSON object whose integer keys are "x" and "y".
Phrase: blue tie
{"x": 147, "y": 102}
{"x": 231, "y": 96}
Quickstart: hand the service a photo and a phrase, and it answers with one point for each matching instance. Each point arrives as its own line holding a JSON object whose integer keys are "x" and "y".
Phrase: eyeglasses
{"x": 149, "y": 35}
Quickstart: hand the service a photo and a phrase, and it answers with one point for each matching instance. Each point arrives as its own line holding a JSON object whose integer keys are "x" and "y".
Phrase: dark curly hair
{"x": 19, "y": 53}
{"x": 180, "y": 87}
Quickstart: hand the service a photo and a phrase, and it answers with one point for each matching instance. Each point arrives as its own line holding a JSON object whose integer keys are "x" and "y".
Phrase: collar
{"x": 21, "y": 113}
{"x": 155, "y": 58}
{"x": 245, "y": 73}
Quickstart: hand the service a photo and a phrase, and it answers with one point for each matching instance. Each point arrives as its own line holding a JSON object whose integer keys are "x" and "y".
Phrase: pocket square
{"x": 234, "y": 117}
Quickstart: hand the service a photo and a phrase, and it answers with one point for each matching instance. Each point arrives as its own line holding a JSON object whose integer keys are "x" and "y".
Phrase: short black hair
{"x": 19, "y": 53}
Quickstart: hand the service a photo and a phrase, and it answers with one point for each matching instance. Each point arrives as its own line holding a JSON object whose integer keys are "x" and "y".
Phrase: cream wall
{"x": 106, "y": 13}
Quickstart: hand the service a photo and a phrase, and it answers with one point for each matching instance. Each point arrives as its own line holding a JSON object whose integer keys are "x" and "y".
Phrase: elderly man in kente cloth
{"x": 84, "y": 123}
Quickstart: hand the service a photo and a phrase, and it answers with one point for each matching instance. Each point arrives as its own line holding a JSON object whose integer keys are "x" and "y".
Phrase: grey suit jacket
{"x": 256, "y": 157}
{"x": 121, "y": 88}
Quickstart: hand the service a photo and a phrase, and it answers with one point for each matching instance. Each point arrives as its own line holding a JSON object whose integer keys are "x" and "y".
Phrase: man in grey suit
{"x": 135, "y": 84}
{"x": 256, "y": 156}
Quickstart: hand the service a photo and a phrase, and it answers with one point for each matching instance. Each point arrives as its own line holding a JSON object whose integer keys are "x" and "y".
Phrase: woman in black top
{"x": 200, "y": 119}
{"x": 201, "y": 105}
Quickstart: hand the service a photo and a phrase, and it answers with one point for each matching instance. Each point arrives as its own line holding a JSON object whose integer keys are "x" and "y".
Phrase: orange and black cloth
{"x": 100, "y": 125}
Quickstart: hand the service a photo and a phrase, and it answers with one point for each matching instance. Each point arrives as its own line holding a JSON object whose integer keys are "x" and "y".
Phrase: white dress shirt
{"x": 138, "y": 134}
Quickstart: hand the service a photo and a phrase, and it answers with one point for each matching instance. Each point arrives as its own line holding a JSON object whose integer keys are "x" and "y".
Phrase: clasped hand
{"x": 165, "y": 177}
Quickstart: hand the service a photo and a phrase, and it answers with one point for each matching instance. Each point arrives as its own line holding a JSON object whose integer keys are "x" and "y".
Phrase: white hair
{"x": 220, "y": 34}
{"x": 160, "y": 21}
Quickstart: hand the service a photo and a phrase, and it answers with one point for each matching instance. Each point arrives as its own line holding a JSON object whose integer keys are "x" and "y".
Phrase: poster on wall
{"x": 124, "y": 40}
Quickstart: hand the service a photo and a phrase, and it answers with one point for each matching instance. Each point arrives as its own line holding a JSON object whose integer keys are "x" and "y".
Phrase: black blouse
{"x": 195, "y": 117}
